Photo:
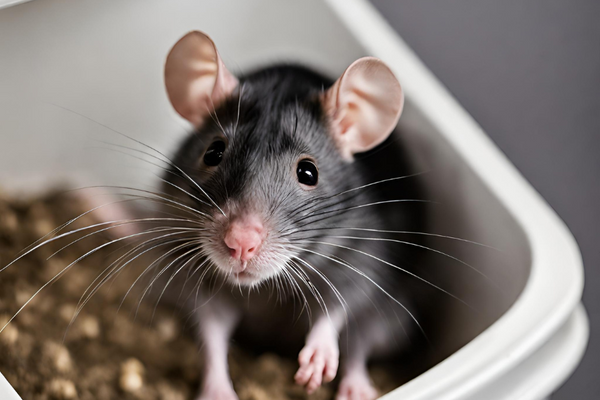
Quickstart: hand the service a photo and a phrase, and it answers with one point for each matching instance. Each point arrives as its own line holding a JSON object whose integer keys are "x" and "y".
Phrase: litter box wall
{"x": 529, "y": 351}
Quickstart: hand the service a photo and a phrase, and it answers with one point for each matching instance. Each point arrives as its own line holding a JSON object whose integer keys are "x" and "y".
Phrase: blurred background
{"x": 529, "y": 73}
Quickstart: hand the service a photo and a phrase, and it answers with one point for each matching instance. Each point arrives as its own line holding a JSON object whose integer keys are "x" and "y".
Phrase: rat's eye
{"x": 214, "y": 153}
{"x": 307, "y": 173}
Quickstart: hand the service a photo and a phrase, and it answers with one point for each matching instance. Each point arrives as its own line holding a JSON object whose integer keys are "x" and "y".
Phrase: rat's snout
{"x": 244, "y": 236}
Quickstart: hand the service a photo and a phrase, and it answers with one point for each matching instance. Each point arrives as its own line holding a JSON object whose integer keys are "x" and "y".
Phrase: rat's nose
{"x": 244, "y": 237}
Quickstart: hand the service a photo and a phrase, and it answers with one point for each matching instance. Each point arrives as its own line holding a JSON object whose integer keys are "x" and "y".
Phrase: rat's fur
{"x": 274, "y": 118}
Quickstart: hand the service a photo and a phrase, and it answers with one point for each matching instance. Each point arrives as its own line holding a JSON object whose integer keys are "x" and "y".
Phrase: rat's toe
{"x": 317, "y": 376}
{"x": 331, "y": 367}
{"x": 304, "y": 374}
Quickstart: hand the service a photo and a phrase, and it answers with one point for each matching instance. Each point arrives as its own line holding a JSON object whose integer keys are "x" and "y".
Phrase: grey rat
{"x": 276, "y": 192}
{"x": 273, "y": 190}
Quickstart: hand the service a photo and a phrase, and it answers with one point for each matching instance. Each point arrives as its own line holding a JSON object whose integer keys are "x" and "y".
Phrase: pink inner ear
{"x": 225, "y": 83}
{"x": 364, "y": 105}
{"x": 196, "y": 78}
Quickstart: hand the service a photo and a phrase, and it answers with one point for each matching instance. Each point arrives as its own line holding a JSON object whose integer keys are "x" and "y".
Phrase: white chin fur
{"x": 256, "y": 272}
{"x": 245, "y": 279}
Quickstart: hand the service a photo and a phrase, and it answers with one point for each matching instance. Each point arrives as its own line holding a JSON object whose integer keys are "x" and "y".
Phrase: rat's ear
{"x": 363, "y": 106}
{"x": 196, "y": 78}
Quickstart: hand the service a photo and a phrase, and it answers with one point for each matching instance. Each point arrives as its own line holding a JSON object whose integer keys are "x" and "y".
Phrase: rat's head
{"x": 268, "y": 150}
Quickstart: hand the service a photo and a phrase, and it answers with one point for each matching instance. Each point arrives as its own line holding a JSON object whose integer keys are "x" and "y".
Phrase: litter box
{"x": 64, "y": 62}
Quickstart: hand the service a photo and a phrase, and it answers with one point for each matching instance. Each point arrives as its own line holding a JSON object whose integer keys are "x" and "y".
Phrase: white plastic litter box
{"x": 104, "y": 60}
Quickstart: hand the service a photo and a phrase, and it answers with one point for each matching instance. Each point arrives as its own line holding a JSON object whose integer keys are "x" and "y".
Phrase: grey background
{"x": 529, "y": 73}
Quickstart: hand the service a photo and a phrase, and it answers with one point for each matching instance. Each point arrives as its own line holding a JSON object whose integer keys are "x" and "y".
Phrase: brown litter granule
{"x": 62, "y": 389}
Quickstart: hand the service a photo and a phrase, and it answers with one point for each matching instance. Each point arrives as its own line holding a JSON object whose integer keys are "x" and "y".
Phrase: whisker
{"x": 163, "y": 168}
{"x": 358, "y": 271}
{"x": 147, "y": 146}
{"x": 306, "y": 305}
{"x": 124, "y": 222}
{"x": 343, "y": 210}
{"x": 115, "y": 264}
{"x": 419, "y": 246}
{"x": 391, "y": 265}
{"x": 337, "y": 293}
{"x": 199, "y": 284}
{"x": 150, "y": 266}
{"x": 397, "y": 178}
{"x": 115, "y": 269}
{"x": 237, "y": 121}
{"x": 397, "y": 232}
{"x": 59, "y": 274}
{"x": 314, "y": 291}
{"x": 159, "y": 229}
{"x": 196, "y": 249}
{"x": 191, "y": 273}
{"x": 214, "y": 116}
{"x": 183, "y": 190}
{"x": 293, "y": 285}
{"x": 215, "y": 273}
{"x": 321, "y": 200}
{"x": 158, "y": 195}
{"x": 72, "y": 220}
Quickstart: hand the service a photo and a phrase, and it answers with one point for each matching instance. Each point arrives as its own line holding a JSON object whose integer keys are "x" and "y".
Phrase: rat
{"x": 287, "y": 208}
{"x": 281, "y": 186}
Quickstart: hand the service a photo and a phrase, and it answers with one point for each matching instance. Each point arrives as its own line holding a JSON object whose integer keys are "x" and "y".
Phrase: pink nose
{"x": 244, "y": 237}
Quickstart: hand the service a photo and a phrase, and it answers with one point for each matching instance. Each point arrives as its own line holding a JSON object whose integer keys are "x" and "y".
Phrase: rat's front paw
{"x": 319, "y": 361}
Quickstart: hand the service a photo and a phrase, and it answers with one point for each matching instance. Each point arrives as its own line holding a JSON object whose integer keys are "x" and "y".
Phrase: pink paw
{"x": 356, "y": 387}
{"x": 319, "y": 361}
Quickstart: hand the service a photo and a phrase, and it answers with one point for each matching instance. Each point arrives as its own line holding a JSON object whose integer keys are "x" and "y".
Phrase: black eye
{"x": 307, "y": 173}
{"x": 214, "y": 154}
